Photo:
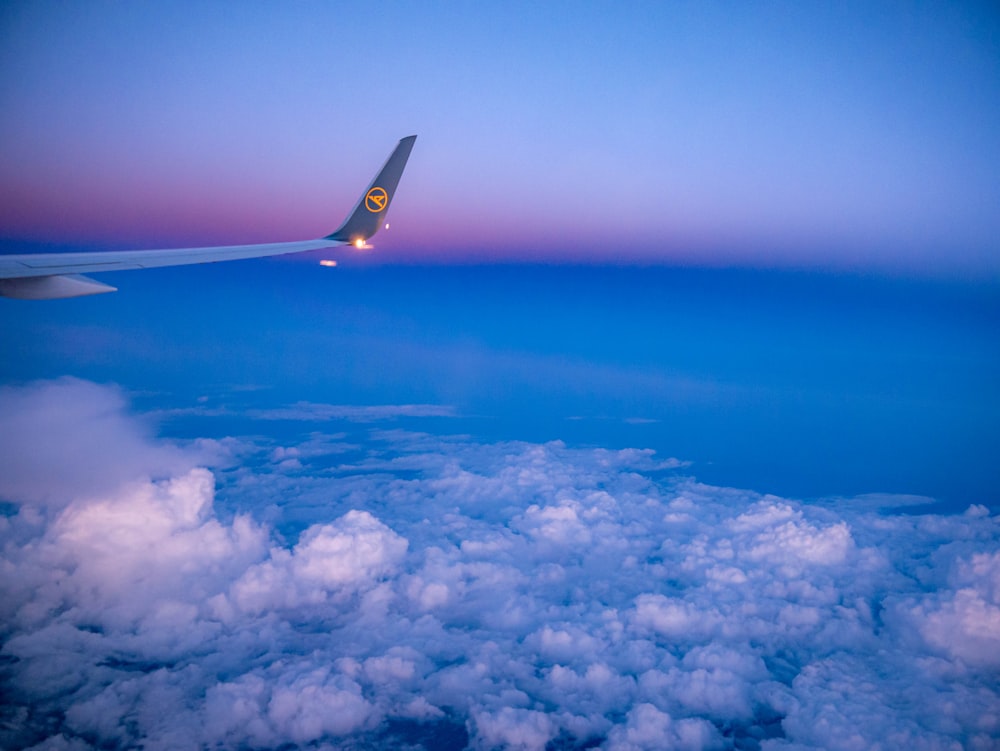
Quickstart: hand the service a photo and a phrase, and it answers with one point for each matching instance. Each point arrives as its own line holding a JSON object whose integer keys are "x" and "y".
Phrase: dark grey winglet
{"x": 368, "y": 215}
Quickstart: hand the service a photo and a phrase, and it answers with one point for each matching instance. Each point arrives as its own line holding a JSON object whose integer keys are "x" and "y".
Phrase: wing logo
{"x": 376, "y": 199}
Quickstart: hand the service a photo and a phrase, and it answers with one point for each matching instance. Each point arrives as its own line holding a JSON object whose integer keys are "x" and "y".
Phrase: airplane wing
{"x": 47, "y": 276}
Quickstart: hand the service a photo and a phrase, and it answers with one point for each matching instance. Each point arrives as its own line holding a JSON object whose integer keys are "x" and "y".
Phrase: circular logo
{"x": 376, "y": 199}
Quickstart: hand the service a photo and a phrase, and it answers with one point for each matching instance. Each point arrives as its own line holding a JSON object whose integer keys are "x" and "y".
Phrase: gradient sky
{"x": 590, "y": 499}
{"x": 850, "y": 136}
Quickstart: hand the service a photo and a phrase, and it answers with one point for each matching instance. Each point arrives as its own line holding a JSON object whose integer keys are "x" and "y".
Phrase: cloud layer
{"x": 444, "y": 593}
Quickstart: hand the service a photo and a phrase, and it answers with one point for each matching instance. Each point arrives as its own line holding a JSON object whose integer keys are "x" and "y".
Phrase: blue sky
{"x": 664, "y": 416}
{"x": 848, "y": 137}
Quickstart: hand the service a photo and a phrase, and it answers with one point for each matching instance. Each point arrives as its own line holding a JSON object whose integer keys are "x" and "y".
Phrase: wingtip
{"x": 366, "y": 218}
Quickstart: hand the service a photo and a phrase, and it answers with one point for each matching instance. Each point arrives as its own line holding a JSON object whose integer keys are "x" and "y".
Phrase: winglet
{"x": 368, "y": 215}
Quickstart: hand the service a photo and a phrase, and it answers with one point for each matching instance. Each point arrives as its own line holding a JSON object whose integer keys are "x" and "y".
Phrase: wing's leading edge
{"x": 47, "y": 276}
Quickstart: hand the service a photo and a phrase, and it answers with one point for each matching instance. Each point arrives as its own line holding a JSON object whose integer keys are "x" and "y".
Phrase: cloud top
{"x": 450, "y": 593}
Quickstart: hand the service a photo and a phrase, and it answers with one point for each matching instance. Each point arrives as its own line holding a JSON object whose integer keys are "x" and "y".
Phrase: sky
{"x": 850, "y": 136}
{"x": 664, "y": 415}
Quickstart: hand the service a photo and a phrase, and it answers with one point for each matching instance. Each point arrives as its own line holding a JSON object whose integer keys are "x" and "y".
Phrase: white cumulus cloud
{"x": 444, "y": 593}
